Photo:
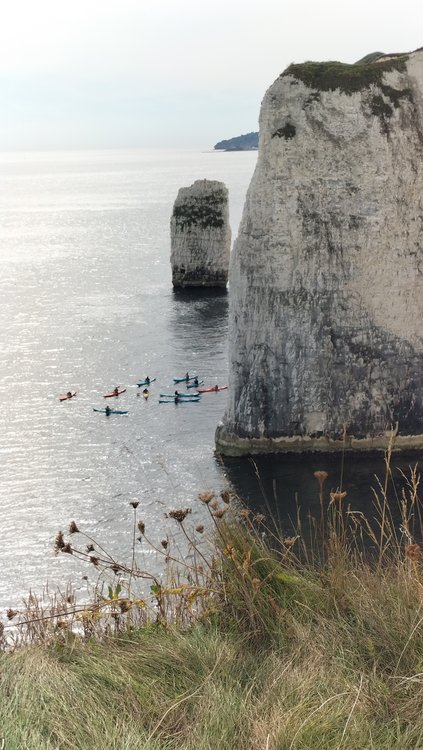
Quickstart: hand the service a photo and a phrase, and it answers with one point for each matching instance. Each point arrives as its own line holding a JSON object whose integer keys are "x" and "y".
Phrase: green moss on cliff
{"x": 204, "y": 211}
{"x": 328, "y": 76}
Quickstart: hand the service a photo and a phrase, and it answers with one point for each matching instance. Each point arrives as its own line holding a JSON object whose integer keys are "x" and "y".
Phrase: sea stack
{"x": 200, "y": 235}
{"x": 326, "y": 310}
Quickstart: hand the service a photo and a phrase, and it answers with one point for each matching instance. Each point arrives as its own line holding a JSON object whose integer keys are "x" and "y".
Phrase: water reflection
{"x": 280, "y": 484}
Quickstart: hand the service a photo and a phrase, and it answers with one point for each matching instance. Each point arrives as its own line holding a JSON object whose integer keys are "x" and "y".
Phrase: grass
{"x": 277, "y": 644}
{"x": 331, "y": 75}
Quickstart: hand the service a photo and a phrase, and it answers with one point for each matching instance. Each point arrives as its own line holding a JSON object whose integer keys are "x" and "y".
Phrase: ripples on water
{"x": 87, "y": 303}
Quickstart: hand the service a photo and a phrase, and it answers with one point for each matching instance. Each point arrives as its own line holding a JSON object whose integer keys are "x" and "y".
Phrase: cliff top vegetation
{"x": 332, "y": 75}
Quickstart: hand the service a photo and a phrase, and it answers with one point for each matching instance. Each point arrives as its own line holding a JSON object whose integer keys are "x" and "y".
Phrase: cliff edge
{"x": 326, "y": 321}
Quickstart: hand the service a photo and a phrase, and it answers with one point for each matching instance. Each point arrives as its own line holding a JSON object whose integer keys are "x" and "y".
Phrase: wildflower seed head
{"x": 134, "y": 503}
{"x": 219, "y": 513}
{"x": 206, "y": 497}
{"x": 321, "y": 476}
{"x": 90, "y": 548}
{"x": 73, "y": 529}
{"x": 199, "y": 529}
{"x": 226, "y": 496}
{"x": 259, "y": 518}
{"x": 337, "y": 496}
{"x": 413, "y": 552}
{"x": 141, "y": 526}
{"x": 164, "y": 543}
{"x": 179, "y": 515}
{"x": 11, "y": 613}
{"x": 244, "y": 513}
{"x": 59, "y": 542}
{"x": 116, "y": 568}
{"x": 214, "y": 505}
{"x": 67, "y": 548}
{"x": 94, "y": 560}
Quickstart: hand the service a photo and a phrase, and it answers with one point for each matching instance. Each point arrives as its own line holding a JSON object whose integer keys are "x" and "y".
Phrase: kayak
{"x": 112, "y": 411}
{"x": 66, "y": 397}
{"x": 187, "y": 396}
{"x": 181, "y": 401}
{"x": 145, "y": 382}
{"x": 195, "y": 385}
{"x": 213, "y": 388}
{"x": 110, "y": 395}
{"x": 184, "y": 379}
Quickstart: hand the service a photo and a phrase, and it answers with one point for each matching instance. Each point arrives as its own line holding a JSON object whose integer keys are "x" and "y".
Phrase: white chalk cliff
{"x": 326, "y": 278}
{"x": 200, "y": 235}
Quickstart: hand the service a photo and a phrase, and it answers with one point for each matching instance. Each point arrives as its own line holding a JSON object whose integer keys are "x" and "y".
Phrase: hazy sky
{"x": 124, "y": 73}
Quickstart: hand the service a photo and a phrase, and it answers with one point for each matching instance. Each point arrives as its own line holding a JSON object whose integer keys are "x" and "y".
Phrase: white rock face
{"x": 326, "y": 275}
{"x": 200, "y": 235}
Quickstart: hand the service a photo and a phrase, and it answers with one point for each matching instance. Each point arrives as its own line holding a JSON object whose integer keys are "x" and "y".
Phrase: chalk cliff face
{"x": 200, "y": 235}
{"x": 326, "y": 340}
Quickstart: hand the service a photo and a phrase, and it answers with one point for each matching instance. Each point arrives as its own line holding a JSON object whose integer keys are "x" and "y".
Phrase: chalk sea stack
{"x": 200, "y": 235}
{"x": 326, "y": 313}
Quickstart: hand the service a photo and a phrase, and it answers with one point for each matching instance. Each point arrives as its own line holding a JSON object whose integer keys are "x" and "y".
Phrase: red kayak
{"x": 213, "y": 388}
{"x": 66, "y": 396}
{"x": 110, "y": 395}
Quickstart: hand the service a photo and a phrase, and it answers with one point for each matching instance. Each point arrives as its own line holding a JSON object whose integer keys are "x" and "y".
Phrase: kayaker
{"x": 195, "y": 381}
{"x": 116, "y": 391}
{"x": 107, "y": 410}
{"x": 176, "y": 393}
{"x": 69, "y": 394}
{"x": 177, "y": 397}
{"x": 147, "y": 380}
{"x": 216, "y": 388}
{"x": 187, "y": 376}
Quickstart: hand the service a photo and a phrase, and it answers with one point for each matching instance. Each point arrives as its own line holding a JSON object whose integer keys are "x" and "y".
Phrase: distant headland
{"x": 247, "y": 142}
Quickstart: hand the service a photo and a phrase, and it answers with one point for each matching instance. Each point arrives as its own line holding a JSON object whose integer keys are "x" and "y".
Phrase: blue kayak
{"x": 184, "y": 379}
{"x": 194, "y": 385}
{"x": 179, "y": 401}
{"x": 111, "y": 411}
{"x": 188, "y": 396}
{"x": 144, "y": 382}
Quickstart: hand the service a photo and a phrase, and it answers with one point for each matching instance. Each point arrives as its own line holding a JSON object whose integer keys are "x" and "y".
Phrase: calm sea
{"x": 87, "y": 304}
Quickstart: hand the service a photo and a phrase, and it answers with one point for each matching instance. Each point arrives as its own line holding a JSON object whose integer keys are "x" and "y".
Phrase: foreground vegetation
{"x": 308, "y": 641}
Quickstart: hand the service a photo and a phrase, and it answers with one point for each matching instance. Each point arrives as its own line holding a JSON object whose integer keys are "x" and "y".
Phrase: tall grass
{"x": 261, "y": 642}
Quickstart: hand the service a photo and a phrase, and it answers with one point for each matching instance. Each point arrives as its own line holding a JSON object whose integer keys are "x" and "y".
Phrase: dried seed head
{"x": 11, "y": 613}
{"x": 229, "y": 551}
{"x": 116, "y": 568}
{"x": 59, "y": 542}
{"x": 256, "y": 583}
{"x": 90, "y": 548}
{"x": 141, "y": 526}
{"x": 94, "y": 560}
{"x": 206, "y": 497}
{"x": 164, "y": 543}
{"x": 244, "y": 513}
{"x": 134, "y": 503}
{"x": 125, "y": 605}
{"x": 73, "y": 529}
{"x": 67, "y": 548}
{"x": 214, "y": 505}
{"x": 413, "y": 552}
{"x": 200, "y": 529}
{"x": 321, "y": 476}
{"x": 259, "y": 518}
{"x": 337, "y": 496}
{"x": 289, "y": 541}
{"x": 179, "y": 515}
{"x": 226, "y": 496}
{"x": 219, "y": 513}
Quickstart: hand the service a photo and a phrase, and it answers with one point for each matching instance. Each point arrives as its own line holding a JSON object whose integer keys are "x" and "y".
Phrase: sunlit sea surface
{"x": 86, "y": 303}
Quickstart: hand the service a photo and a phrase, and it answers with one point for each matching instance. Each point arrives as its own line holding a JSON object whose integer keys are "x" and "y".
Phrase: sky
{"x": 170, "y": 73}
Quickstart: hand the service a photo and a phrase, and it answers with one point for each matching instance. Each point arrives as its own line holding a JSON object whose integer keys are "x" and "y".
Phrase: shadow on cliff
{"x": 279, "y": 485}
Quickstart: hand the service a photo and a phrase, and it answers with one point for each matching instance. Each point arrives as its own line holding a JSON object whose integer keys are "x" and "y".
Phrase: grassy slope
{"x": 295, "y": 656}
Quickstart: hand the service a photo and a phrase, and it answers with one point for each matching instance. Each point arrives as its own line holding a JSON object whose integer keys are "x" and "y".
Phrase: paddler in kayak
{"x": 69, "y": 394}
{"x": 196, "y": 381}
{"x": 107, "y": 410}
{"x": 177, "y": 397}
{"x": 147, "y": 380}
{"x": 116, "y": 391}
{"x": 187, "y": 376}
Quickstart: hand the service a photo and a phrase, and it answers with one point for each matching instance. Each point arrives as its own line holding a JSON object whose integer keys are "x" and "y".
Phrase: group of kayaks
{"x": 191, "y": 381}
